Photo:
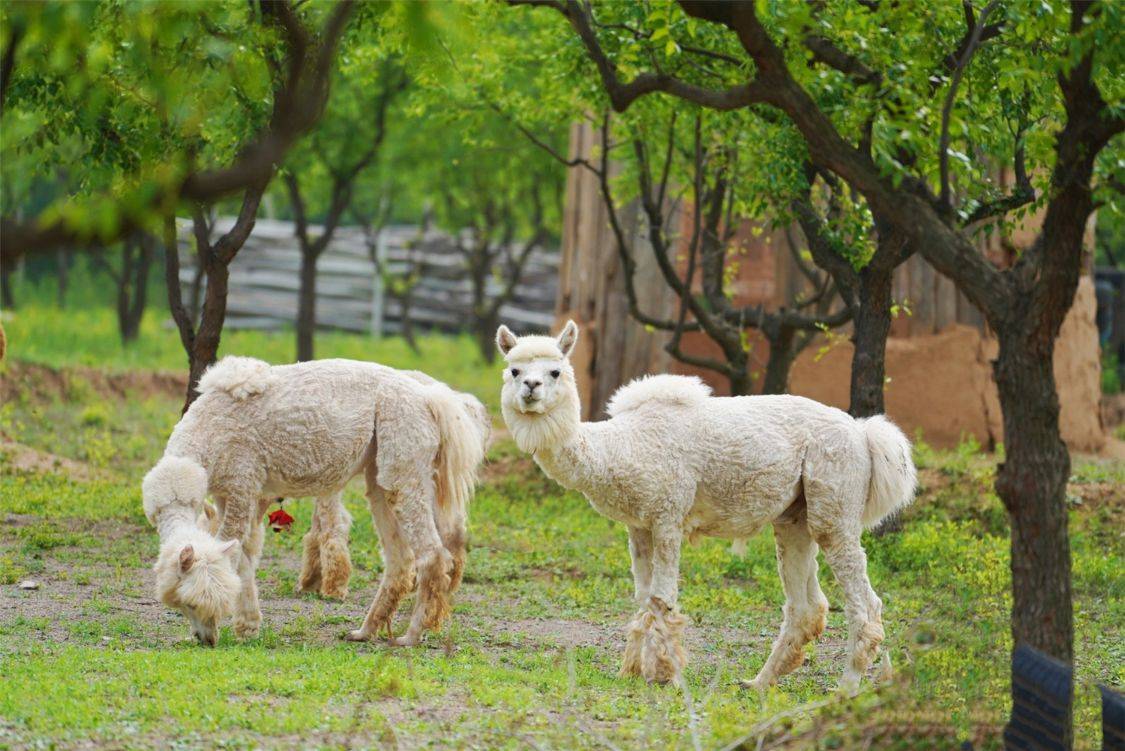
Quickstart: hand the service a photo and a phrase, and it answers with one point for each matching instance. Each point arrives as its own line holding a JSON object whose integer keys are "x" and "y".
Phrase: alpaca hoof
{"x": 334, "y": 593}
{"x": 247, "y": 629}
{"x": 405, "y": 640}
{"x": 849, "y": 683}
{"x": 662, "y": 655}
{"x": 758, "y": 684}
{"x": 634, "y": 641}
{"x": 308, "y": 585}
{"x": 357, "y": 635}
{"x": 630, "y": 668}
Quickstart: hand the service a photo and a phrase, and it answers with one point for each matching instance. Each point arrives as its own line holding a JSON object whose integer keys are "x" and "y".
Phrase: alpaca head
{"x": 195, "y": 574}
{"x": 539, "y": 398}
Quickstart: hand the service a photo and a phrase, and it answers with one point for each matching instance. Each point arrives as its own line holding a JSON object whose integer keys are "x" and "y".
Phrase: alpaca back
{"x": 241, "y": 377}
{"x": 684, "y": 391}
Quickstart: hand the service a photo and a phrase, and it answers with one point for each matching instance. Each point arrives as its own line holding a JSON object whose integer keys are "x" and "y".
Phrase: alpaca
{"x": 674, "y": 462}
{"x": 257, "y": 432}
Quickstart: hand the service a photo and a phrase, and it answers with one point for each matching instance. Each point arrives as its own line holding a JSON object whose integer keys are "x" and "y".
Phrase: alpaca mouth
{"x": 531, "y": 404}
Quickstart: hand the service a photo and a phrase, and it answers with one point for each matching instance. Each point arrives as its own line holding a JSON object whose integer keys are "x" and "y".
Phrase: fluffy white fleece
{"x": 674, "y": 462}
{"x": 258, "y": 432}
{"x": 683, "y": 391}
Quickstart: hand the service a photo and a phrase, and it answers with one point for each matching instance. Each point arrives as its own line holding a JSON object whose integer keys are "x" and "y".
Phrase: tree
{"x": 131, "y": 281}
{"x": 496, "y": 194}
{"x": 148, "y": 105}
{"x": 893, "y": 141}
{"x": 714, "y": 183}
{"x": 345, "y": 144}
{"x": 201, "y": 343}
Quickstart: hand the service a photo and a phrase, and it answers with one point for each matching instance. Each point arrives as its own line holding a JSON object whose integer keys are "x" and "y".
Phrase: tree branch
{"x": 622, "y": 94}
{"x": 172, "y": 280}
{"x": 298, "y": 104}
{"x": 945, "y": 198}
{"x": 9, "y": 62}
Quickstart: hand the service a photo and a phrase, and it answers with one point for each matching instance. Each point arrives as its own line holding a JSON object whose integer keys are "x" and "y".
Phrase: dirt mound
{"x": 44, "y": 383}
{"x": 26, "y": 459}
{"x": 942, "y": 383}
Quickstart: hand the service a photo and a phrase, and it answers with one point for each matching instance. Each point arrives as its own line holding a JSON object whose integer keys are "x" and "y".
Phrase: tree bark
{"x": 306, "y": 306}
{"x": 782, "y": 354}
{"x": 1032, "y": 484}
{"x": 7, "y": 298}
{"x": 206, "y": 349}
{"x": 62, "y": 270}
{"x": 872, "y": 324}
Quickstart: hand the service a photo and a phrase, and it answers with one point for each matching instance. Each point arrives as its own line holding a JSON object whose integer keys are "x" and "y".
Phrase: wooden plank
{"x": 945, "y": 302}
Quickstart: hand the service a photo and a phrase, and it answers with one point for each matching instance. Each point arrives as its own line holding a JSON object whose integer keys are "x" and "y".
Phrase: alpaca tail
{"x": 241, "y": 377}
{"x": 174, "y": 479}
{"x": 460, "y": 453}
{"x": 893, "y": 477}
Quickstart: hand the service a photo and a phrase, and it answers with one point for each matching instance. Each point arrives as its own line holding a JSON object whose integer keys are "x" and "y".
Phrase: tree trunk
{"x": 306, "y": 306}
{"x": 405, "y": 301}
{"x": 124, "y": 279}
{"x": 205, "y": 347}
{"x": 7, "y": 299}
{"x": 62, "y": 271}
{"x": 780, "y": 361}
{"x": 741, "y": 384}
{"x": 196, "y": 291}
{"x": 135, "y": 309}
{"x": 872, "y": 324}
{"x": 486, "y": 324}
{"x": 1032, "y": 485}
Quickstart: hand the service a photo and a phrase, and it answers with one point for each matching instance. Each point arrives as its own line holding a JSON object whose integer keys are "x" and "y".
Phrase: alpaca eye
{"x": 515, "y": 372}
{"x": 554, "y": 374}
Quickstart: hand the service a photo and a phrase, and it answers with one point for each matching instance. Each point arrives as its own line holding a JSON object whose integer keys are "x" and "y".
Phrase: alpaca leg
{"x": 398, "y": 568}
{"x": 805, "y": 613}
{"x": 242, "y": 522}
{"x": 661, "y": 625}
{"x": 451, "y": 528}
{"x": 863, "y": 609}
{"x": 412, "y": 510}
{"x": 309, "y": 580}
{"x": 335, "y": 563}
{"x": 640, "y": 550}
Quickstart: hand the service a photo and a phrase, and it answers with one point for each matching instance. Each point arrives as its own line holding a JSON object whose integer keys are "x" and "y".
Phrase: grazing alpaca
{"x": 675, "y": 462}
{"x": 257, "y": 432}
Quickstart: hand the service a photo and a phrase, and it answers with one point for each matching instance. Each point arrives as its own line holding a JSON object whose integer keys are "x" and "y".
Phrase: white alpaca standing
{"x": 259, "y": 431}
{"x": 675, "y": 462}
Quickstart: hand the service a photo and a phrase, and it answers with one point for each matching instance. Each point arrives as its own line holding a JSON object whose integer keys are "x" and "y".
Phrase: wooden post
{"x": 612, "y": 347}
{"x": 377, "y": 285}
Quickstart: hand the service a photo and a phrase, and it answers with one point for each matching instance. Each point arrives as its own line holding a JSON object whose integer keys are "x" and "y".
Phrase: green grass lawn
{"x": 530, "y": 658}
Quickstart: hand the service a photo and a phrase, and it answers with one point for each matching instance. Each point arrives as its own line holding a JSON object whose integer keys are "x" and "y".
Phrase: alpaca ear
{"x": 232, "y": 550}
{"x": 187, "y": 558}
{"x": 568, "y": 338}
{"x": 505, "y": 340}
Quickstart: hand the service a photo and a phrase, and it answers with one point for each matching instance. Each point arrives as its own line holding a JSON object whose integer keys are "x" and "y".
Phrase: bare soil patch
{"x": 26, "y": 459}
{"x": 43, "y": 383}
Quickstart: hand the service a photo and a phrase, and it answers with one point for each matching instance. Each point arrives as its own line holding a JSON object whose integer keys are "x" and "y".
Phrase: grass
{"x": 530, "y": 658}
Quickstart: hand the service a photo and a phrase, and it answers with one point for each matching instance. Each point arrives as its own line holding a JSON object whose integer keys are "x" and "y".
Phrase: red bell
{"x": 280, "y": 521}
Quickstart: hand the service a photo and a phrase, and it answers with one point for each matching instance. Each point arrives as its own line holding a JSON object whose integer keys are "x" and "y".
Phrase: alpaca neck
{"x": 539, "y": 431}
{"x": 559, "y": 439}
{"x": 175, "y": 520}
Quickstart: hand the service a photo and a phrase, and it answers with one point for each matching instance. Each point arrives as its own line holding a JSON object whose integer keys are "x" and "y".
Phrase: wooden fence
{"x": 265, "y": 279}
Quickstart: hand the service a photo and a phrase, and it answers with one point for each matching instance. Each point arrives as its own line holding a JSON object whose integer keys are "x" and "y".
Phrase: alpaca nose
{"x": 532, "y": 385}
